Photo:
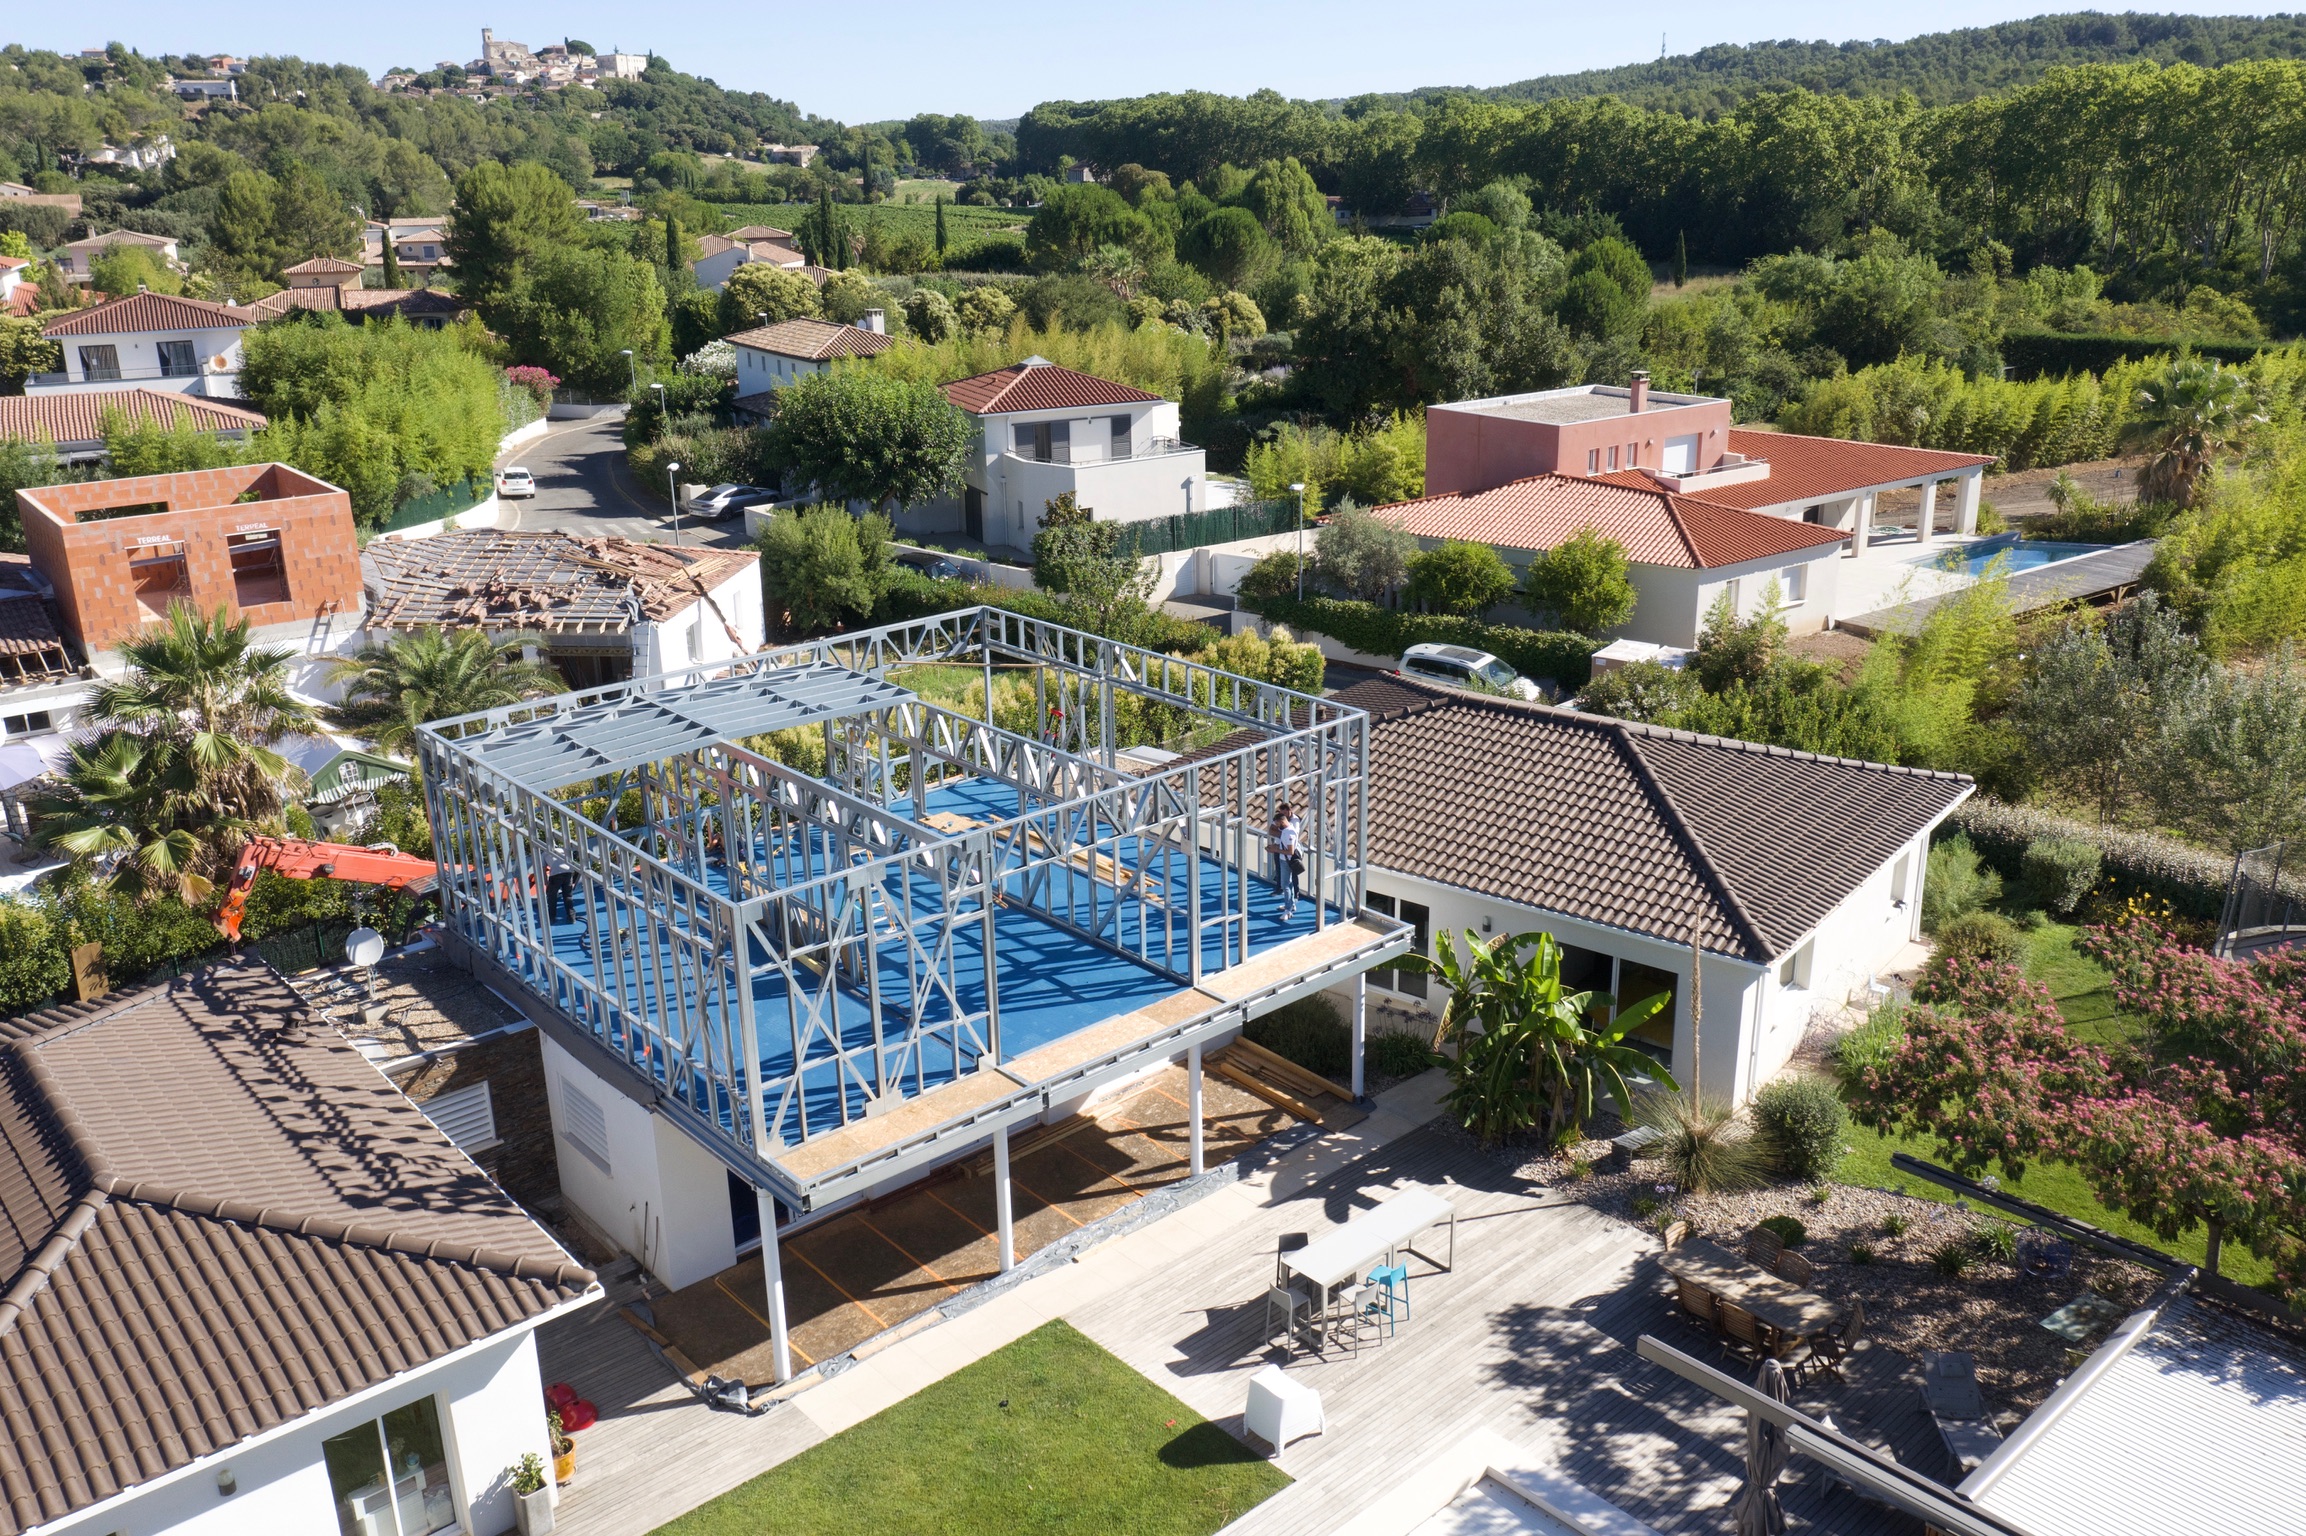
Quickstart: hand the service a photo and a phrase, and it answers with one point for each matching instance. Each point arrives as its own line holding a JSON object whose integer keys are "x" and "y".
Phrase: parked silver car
{"x": 1461, "y": 666}
{"x": 727, "y": 500}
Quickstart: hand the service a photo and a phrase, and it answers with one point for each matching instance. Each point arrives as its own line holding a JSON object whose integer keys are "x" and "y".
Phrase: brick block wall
{"x": 525, "y": 1162}
{"x": 88, "y": 562}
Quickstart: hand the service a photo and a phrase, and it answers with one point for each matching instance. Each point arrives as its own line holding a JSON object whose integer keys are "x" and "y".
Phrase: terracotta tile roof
{"x": 1741, "y": 847}
{"x": 554, "y": 582}
{"x": 149, "y": 312}
{"x": 816, "y": 340}
{"x": 1809, "y": 469}
{"x": 761, "y": 232}
{"x": 31, "y": 648}
{"x": 328, "y": 264}
{"x": 1039, "y": 385}
{"x": 77, "y": 416}
{"x": 361, "y": 301}
{"x": 1656, "y": 526}
{"x": 215, "y": 1218}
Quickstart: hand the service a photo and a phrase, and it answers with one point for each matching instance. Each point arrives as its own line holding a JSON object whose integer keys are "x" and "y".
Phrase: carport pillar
{"x": 1862, "y": 524}
{"x": 1007, "y": 1227}
{"x": 773, "y": 1274}
{"x": 1193, "y": 1107}
{"x": 1926, "y": 526}
{"x": 1360, "y": 1029}
{"x": 1967, "y": 491}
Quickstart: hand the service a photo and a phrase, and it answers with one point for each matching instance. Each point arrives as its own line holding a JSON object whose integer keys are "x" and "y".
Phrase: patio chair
{"x": 1698, "y": 1303}
{"x": 1360, "y": 1307}
{"x": 1765, "y": 1247}
{"x": 1290, "y": 1243}
{"x": 1831, "y": 1349}
{"x": 1789, "y": 1350}
{"x": 1395, "y": 1279}
{"x": 1792, "y": 1266}
{"x": 1675, "y": 1235}
{"x": 1295, "y": 1306}
{"x": 1741, "y": 1332}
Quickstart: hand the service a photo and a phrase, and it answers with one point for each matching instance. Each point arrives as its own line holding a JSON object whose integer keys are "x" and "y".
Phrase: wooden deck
{"x": 1530, "y": 1338}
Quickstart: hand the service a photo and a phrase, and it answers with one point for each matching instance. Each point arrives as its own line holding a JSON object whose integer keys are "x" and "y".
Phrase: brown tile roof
{"x": 555, "y": 582}
{"x": 31, "y": 648}
{"x": 149, "y": 312}
{"x": 77, "y": 417}
{"x": 1817, "y": 468}
{"x": 1656, "y": 526}
{"x": 1742, "y": 848}
{"x": 1039, "y": 385}
{"x": 760, "y": 232}
{"x": 816, "y": 340}
{"x": 359, "y": 301}
{"x": 216, "y": 1218}
{"x": 329, "y": 264}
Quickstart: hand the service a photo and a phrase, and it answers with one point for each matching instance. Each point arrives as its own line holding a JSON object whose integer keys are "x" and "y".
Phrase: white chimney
{"x": 1640, "y": 390}
{"x": 874, "y": 320}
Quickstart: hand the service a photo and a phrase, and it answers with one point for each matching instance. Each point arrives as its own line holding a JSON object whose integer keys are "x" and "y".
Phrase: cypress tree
{"x": 672, "y": 243}
{"x": 828, "y": 232}
{"x": 1680, "y": 257}
{"x": 391, "y": 260}
{"x": 940, "y": 228}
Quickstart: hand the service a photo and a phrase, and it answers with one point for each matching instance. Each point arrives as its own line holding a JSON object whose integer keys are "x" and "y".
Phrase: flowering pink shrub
{"x": 539, "y": 382}
{"x": 2201, "y": 1122}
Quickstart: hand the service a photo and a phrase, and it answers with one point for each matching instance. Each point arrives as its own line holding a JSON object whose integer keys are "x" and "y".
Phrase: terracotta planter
{"x": 564, "y": 1465}
{"x": 534, "y": 1512}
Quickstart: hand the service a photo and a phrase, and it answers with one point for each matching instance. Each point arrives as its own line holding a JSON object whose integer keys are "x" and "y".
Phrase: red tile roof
{"x": 77, "y": 416}
{"x": 322, "y": 264}
{"x": 816, "y": 340}
{"x": 149, "y": 312}
{"x": 407, "y": 302}
{"x": 1656, "y": 526}
{"x": 1821, "y": 468}
{"x": 1038, "y": 385}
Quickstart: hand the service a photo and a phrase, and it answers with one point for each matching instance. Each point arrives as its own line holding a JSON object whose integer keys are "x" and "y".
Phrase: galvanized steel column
{"x": 1007, "y": 1227}
{"x": 773, "y": 1273}
{"x": 1193, "y": 1101}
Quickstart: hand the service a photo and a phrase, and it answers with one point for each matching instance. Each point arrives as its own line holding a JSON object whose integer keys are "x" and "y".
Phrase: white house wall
{"x": 661, "y": 1197}
{"x": 138, "y": 353}
{"x": 491, "y": 1405}
{"x": 699, "y": 633}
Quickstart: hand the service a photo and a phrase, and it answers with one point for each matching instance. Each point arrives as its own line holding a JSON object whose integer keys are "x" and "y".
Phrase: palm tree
{"x": 433, "y": 674}
{"x": 2188, "y": 416}
{"x": 1538, "y": 1060}
{"x": 181, "y": 769}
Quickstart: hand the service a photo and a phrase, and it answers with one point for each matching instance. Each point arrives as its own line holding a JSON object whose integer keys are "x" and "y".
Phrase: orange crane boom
{"x": 302, "y": 860}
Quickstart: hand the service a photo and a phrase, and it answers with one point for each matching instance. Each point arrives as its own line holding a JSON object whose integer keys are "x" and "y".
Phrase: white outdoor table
{"x": 1337, "y": 1256}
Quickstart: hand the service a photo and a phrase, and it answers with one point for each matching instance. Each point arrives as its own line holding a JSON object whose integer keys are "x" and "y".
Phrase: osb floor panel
{"x": 873, "y": 1269}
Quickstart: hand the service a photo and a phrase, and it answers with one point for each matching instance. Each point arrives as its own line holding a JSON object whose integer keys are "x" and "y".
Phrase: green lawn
{"x": 2083, "y": 990}
{"x": 1050, "y": 1435}
{"x": 962, "y": 223}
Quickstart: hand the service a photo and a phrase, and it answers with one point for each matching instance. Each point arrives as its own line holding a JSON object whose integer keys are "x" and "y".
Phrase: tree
{"x": 1531, "y": 1056}
{"x": 1459, "y": 576}
{"x": 1733, "y": 650}
{"x": 859, "y": 434}
{"x": 139, "y": 445}
{"x": 940, "y": 229}
{"x": 505, "y": 218}
{"x": 1229, "y": 247}
{"x": 181, "y": 770}
{"x": 1680, "y": 258}
{"x": 309, "y": 218}
{"x": 576, "y": 312}
{"x": 2232, "y": 759}
{"x": 125, "y": 269}
{"x": 760, "y": 294}
{"x": 822, "y": 568}
{"x": 432, "y": 674}
{"x": 1363, "y": 554}
{"x": 929, "y": 315}
{"x": 1086, "y": 563}
{"x": 1075, "y": 220}
{"x": 985, "y": 311}
{"x": 240, "y": 231}
{"x": 820, "y": 235}
{"x": 2195, "y": 411}
{"x": 391, "y": 272}
{"x": 2092, "y": 708}
{"x": 1285, "y": 201}
{"x": 34, "y": 965}
{"x": 1584, "y": 581}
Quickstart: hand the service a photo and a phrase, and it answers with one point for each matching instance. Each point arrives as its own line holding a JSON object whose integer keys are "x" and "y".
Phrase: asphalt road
{"x": 583, "y": 487}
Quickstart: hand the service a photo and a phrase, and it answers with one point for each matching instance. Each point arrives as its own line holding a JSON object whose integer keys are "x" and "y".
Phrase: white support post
{"x": 1193, "y": 1106}
{"x": 773, "y": 1272}
{"x": 1926, "y": 526}
{"x": 1360, "y": 1029}
{"x": 1007, "y": 1229}
{"x": 1968, "y": 489}
{"x": 1863, "y": 520}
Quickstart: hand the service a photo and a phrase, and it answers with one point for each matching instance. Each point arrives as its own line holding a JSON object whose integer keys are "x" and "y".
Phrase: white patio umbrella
{"x": 1757, "y": 1512}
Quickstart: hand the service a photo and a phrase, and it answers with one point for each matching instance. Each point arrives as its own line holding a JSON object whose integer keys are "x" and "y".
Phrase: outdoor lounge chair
{"x": 1950, "y": 1389}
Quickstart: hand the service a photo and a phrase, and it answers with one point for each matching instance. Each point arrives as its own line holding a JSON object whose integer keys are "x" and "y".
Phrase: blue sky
{"x": 865, "y": 63}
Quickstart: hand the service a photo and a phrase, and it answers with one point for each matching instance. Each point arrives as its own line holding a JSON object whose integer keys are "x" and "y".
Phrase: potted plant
{"x": 532, "y": 1496}
{"x": 563, "y": 1449}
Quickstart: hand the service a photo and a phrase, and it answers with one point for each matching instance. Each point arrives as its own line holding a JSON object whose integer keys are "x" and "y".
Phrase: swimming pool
{"x": 2024, "y": 555}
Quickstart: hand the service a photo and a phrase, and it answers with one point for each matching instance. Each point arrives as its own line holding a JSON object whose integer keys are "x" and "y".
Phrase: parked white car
{"x": 515, "y": 481}
{"x": 1461, "y": 666}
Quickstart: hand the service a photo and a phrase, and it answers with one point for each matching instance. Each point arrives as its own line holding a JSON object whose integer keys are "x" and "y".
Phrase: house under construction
{"x": 802, "y": 970}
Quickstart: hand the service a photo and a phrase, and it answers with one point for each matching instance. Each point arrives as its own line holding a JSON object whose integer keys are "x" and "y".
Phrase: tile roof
{"x": 1038, "y": 385}
{"x": 1656, "y": 526}
{"x": 149, "y": 312}
{"x": 816, "y": 340}
{"x": 112, "y": 237}
{"x": 357, "y": 301}
{"x": 1815, "y": 468}
{"x": 1742, "y": 848}
{"x": 330, "y": 264}
{"x": 77, "y": 416}
{"x": 555, "y": 582}
{"x": 760, "y": 232}
{"x": 31, "y": 648}
{"x": 216, "y": 1218}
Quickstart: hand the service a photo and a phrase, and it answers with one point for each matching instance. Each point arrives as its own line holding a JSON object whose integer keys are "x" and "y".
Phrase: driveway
{"x": 583, "y": 487}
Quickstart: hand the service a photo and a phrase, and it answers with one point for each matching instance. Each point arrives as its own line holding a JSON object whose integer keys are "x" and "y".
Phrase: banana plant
{"x": 1529, "y": 1054}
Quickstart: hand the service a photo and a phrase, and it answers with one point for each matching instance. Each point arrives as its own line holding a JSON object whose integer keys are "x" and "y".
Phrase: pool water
{"x": 2024, "y": 555}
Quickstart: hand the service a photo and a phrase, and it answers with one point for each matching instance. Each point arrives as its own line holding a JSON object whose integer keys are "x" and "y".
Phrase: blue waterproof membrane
{"x": 1050, "y": 981}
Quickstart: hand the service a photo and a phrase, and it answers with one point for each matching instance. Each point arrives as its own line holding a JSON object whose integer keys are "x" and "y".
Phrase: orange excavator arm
{"x": 302, "y": 860}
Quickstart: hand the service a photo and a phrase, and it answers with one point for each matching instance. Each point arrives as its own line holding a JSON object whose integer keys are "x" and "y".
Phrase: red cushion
{"x": 560, "y": 1394}
{"x": 579, "y": 1415}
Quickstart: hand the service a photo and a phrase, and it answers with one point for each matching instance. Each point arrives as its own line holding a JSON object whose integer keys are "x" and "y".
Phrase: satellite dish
{"x": 364, "y": 946}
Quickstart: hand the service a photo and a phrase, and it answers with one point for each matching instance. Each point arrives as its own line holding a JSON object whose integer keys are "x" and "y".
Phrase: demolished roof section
{"x": 556, "y": 583}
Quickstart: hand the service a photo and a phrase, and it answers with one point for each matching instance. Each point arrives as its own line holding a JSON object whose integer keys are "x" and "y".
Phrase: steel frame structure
{"x": 777, "y": 956}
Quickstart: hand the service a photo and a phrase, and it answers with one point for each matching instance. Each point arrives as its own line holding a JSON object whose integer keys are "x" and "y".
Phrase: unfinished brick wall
{"x": 88, "y": 561}
{"x": 525, "y": 1161}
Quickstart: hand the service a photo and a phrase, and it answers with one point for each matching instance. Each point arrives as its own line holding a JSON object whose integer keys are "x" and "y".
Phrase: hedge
{"x": 1537, "y": 653}
{"x": 2049, "y": 354}
{"x": 910, "y": 595}
{"x": 2192, "y": 880}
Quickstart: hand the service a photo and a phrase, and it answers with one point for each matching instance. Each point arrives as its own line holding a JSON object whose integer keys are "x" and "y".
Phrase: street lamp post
{"x": 632, "y": 369}
{"x": 673, "y": 485}
{"x": 1297, "y": 488}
